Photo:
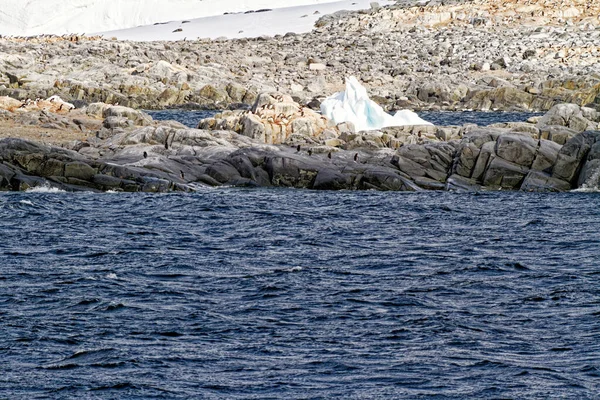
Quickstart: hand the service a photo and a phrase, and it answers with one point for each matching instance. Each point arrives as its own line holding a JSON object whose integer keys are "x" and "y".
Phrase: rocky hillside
{"x": 519, "y": 55}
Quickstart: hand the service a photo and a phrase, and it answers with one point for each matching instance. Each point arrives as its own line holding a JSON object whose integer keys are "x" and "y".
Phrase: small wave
{"x": 45, "y": 189}
{"x": 586, "y": 189}
{"x": 118, "y": 386}
{"x": 61, "y": 366}
{"x": 170, "y": 334}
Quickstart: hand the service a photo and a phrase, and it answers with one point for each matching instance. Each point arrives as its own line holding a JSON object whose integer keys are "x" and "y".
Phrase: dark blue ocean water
{"x": 443, "y": 118}
{"x": 247, "y": 293}
{"x": 189, "y": 118}
{"x": 481, "y": 118}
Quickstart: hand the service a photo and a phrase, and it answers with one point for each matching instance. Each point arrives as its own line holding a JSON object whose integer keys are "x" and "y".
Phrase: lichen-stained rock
{"x": 273, "y": 119}
{"x": 500, "y": 98}
{"x": 236, "y": 92}
{"x": 379, "y": 178}
{"x": 504, "y": 174}
{"x": 467, "y": 157}
{"x": 9, "y": 104}
{"x": 570, "y": 116}
{"x": 329, "y": 179}
{"x": 138, "y": 117}
{"x": 290, "y": 171}
{"x": 518, "y": 149}
{"x": 79, "y": 170}
{"x": 214, "y": 94}
{"x": 546, "y": 156}
{"x": 571, "y": 156}
{"x": 589, "y": 177}
{"x": 431, "y": 161}
{"x": 538, "y": 181}
{"x": 460, "y": 183}
{"x": 53, "y": 104}
{"x": 486, "y": 156}
{"x": 558, "y": 134}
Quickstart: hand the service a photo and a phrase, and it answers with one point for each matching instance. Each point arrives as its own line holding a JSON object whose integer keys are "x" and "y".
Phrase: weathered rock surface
{"x": 162, "y": 158}
{"x": 125, "y": 150}
{"x": 273, "y": 119}
{"x": 454, "y": 55}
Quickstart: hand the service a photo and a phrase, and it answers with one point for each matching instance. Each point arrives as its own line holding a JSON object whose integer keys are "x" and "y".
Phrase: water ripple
{"x": 298, "y": 294}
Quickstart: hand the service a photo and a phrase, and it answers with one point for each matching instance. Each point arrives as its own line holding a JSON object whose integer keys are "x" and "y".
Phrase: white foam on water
{"x": 26, "y": 202}
{"x": 45, "y": 189}
{"x": 586, "y": 189}
{"x": 591, "y": 184}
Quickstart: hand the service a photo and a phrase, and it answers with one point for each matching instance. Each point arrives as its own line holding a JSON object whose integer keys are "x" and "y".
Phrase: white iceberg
{"x": 354, "y": 106}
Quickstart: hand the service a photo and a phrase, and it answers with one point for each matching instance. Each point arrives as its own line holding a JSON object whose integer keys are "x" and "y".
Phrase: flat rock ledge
{"x": 162, "y": 159}
{"x": 281, "y": 144}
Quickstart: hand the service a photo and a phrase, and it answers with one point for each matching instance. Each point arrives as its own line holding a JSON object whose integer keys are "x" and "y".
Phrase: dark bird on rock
{"x": 298, "y": 148}
{"x": 310, "y": 152}
{"x": 145, "y": 155}
{"x": 356, "y": 157}
{"x": 182, "y": 174}
{"x": 329, "y": 155}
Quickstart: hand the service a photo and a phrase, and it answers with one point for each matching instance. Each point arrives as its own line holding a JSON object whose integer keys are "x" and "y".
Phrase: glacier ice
{"x": 354, "y": 106}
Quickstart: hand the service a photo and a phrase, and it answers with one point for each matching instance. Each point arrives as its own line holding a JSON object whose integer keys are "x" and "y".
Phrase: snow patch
{"x": 270, "y": 22}
{"x": 35, "y": 17}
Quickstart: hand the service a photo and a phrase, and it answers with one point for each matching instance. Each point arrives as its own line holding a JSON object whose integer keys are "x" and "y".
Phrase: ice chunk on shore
{"x": 354, "y": 106}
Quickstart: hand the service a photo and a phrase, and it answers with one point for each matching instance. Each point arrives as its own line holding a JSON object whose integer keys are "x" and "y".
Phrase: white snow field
{"x": 35, "y": 17}
{"x": 297, "y": 19}
{"x": 355, "y": 106}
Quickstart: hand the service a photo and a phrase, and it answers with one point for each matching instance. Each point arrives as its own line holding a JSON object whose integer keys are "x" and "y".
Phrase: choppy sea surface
{"x": 442, "y": 118}
{"x": 256, "y": 293}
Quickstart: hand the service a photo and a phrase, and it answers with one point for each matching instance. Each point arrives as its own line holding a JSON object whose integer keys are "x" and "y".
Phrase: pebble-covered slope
{"x": 475, "y": 55}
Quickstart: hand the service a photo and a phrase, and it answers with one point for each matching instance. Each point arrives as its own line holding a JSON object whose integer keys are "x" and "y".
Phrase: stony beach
{"x": 443, "y": 55}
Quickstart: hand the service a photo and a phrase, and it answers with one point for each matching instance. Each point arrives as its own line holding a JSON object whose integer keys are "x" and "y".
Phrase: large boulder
{"x": 425, "y": 164}
{"x": 273, "y": 119}
{"x": 537, "y": 181}
{"x": 504, "y": 174}
{"x": 589, "y": 176}
{"x": 564, "y": 121}
{"x": 546, "y": 156}
{"x": 138, "y": 117}
{"x": 570, "y": 116}
{"x": 517, "y": 149}
{"x": 572, "y": 155}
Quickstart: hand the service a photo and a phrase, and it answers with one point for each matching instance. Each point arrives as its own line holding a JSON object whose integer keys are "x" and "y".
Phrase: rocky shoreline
{"x": 451, "y": 55}
{"x": 444, "y": 55}
{"x": 125, "y": 150}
